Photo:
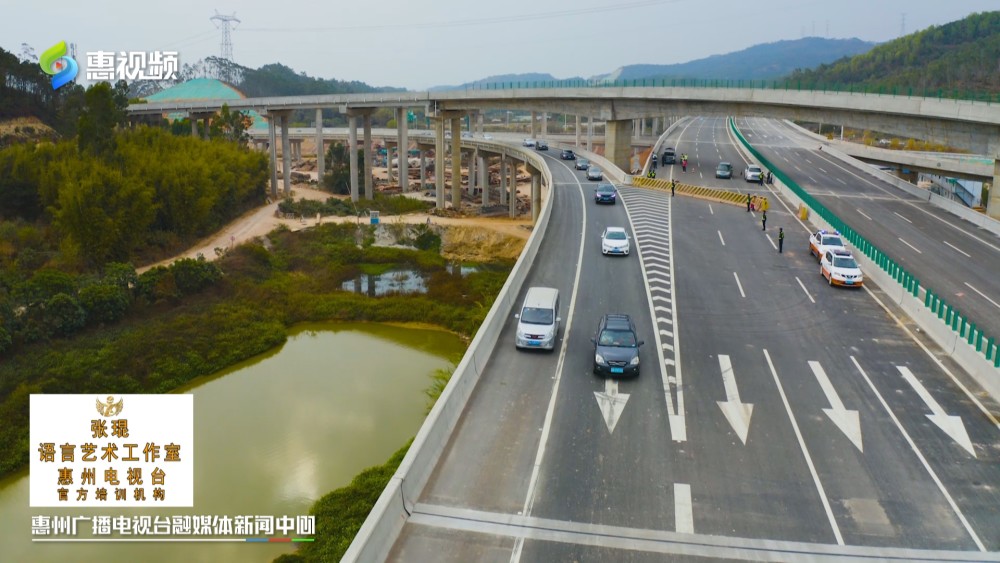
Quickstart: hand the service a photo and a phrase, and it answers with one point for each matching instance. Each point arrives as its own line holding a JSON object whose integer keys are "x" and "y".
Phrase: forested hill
{"x": 961, "y": 55}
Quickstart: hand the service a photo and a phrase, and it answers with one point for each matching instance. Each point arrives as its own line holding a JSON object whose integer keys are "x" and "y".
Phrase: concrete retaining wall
{"x": 384, "y": 523}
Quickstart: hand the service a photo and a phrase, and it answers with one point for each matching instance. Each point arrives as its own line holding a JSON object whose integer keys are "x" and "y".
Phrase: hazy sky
{"x": 420, "y": 44}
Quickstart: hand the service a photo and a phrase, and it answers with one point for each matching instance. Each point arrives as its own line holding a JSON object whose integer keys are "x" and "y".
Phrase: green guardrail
{"x": 787, "y": 85}
{"x": 947, "y": 313}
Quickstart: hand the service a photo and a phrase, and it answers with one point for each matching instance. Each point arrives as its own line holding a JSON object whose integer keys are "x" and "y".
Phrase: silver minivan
{"x": 538, "y": 321}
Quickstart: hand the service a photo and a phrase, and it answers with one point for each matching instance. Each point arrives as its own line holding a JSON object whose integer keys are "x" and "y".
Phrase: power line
{"x": 562, "y": 14}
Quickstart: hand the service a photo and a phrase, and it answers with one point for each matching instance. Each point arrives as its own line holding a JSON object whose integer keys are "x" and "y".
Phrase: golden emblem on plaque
{"x": 109, "y": 407}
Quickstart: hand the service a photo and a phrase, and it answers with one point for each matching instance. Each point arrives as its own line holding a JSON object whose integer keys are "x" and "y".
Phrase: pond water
{"x": 272, "y": 435}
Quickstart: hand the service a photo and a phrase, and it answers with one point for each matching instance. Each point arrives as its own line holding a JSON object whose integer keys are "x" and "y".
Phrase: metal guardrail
{"x": 934, "y": 302}
{"x": 907, "y": 91}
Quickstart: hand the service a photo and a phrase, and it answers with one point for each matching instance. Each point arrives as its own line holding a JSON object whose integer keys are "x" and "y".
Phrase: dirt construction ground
{"x": 261, "y": 221}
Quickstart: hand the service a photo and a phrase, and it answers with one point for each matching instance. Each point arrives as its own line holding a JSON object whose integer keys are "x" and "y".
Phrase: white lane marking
{"x": 736, "y": 411}
{"x": 863, "y": 214}
{"x": 803, "y": 286}
{"x": 710, "y": 209}
{"x": 901, "y": 217}
{"x": 722, "y": 240}
{"x": 768, "y": 237}
{"x": 612, "y": 403}
{"x": 957, "y": 249}
{"x": 920, "y": 456}
{"x": 841, "y": 181}
{"x": 683, "y": 517}
{"x": 845, "y": 419}
{"x": 529, "y": 500}
{"x": 910, "y": 245}
{"x": 951, "y": 425}
{"x": 995, "y": 304}
{"x": 820, "y": 168}
{"x": 739, "y": 285}
{"x": 805, "y": 452}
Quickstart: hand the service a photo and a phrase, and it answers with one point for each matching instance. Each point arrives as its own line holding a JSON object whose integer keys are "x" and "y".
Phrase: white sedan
{"x": 528, "y": 143}
{"x": 840, "y": 268}
{"x": 614, "y": 240}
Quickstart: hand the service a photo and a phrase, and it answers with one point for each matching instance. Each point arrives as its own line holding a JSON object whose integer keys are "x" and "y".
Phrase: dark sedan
{"x": 567, "y": 154}
{"x": 605, "y": 193}
{"x": 616, "y": 347}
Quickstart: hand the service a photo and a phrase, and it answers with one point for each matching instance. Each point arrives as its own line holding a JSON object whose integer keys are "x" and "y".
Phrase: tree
{"x": 103, "y": 303}
{"x": 102, "y": 112}
{"x": 338, "y": 179}
{"x": 231, "y": 126}
{"x": 63, "y": 315}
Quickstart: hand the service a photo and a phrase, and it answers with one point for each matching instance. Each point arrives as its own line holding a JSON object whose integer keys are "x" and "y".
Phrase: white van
{"x": 538, "y": 321}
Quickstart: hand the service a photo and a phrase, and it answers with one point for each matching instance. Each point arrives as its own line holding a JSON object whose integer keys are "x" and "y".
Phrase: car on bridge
{"x": 567, "y": 154}
{"x": 840, "y": 268}
{"x": 528, "y": 143}
{"x": 753, "y": 173}
{"x": 821, "y": 241}
{"x": 594, "y": 173}
{"x": 538, "y": 321}
{"x": 724, "y": 170}
{"x": 616, "y": 347}
{"x": 541, "y": 145}
{"x": 605, "y": 193}
{"x": 614, "y": 242}
{"x": 582, "y": 164}
{"x": 669, "y": 156}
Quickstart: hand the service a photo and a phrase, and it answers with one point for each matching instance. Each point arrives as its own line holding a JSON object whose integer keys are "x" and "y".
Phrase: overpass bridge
{"x": 968, "y": 125}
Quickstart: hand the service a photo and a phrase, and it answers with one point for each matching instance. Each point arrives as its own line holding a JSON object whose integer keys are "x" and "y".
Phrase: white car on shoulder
{"x": 528, "y": 143}
{"x": 840, "y": 268}
{"x": 615, "y": 241}
{"x": 753, "y": 173}
{"x": 821, "y": 241}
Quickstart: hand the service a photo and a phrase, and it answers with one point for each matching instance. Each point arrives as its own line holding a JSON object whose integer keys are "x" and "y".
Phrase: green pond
{"x": 272, "y": 435}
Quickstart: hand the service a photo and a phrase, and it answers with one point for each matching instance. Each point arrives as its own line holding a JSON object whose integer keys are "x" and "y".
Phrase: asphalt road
{"x": 775, "y": 414}
{"x": 952, "y": 257}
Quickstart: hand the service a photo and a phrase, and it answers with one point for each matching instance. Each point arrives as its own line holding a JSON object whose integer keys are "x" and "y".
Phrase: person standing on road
{"x": 748, "y": 202}
{"x": 763, "y": 221}
{"x": 673, "y": 186}
{"x": 781, "y": 238}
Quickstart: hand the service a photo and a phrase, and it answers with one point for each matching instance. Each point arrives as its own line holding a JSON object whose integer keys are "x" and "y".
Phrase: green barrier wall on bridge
{"x": 947, "y": 313}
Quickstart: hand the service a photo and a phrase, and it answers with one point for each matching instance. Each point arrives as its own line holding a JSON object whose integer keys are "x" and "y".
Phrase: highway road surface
{"x": 774, "y": 418}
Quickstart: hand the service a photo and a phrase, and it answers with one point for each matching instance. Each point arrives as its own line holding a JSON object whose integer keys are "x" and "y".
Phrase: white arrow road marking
{"x": 736, "y": 412}
{"x": 683, "y": 517}
{"x": 951, "y": 425}
{"x": 847, "y": 420}
{"x": 611, "y": 403}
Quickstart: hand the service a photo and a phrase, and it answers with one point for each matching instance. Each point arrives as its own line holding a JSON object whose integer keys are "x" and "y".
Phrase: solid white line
{"x": 805, "y": 452}
{"x": 901, "y": 217}
{"x": 683, "y": 516}
{"x": 529, "y": 500}
{"x": 920, "y": 456}
{"x": 722, "y": 240}
{"x": 768, "y": 237}
{"x": 967, "y": 255}
{"x": 910, "y": 245}
{"x": 739, "y": 285}
{"x": 802, "y": 285}
{"x": 863, "y": 214}
{"x": 995, "y": 304}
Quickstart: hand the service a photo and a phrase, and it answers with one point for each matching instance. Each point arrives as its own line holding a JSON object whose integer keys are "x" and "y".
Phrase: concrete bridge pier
{"x": 577, "y": 131}
{"x": 439, "y": 149}
{"x": 473, "y": 159}
{"x": 352, "y": 153}
{"x": 272, "y": 151}
{"x": 534, "y": 125}
{"x": 366, "y": 124}
{"x": 320, "y": 148}
{"x": 479, "y": 123}
{"x": 403, "y": 152}
{"x": 618, "y": 143}
{"x": 286, "y": 150}
{"x": 590, "y": 133}
{"x": 484, "y": 177}
{"x": 513, "y": 189}
{"x": 503, "y": 179}
{"x": 456, "y": 162}
{"x": 545, "y": 124}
